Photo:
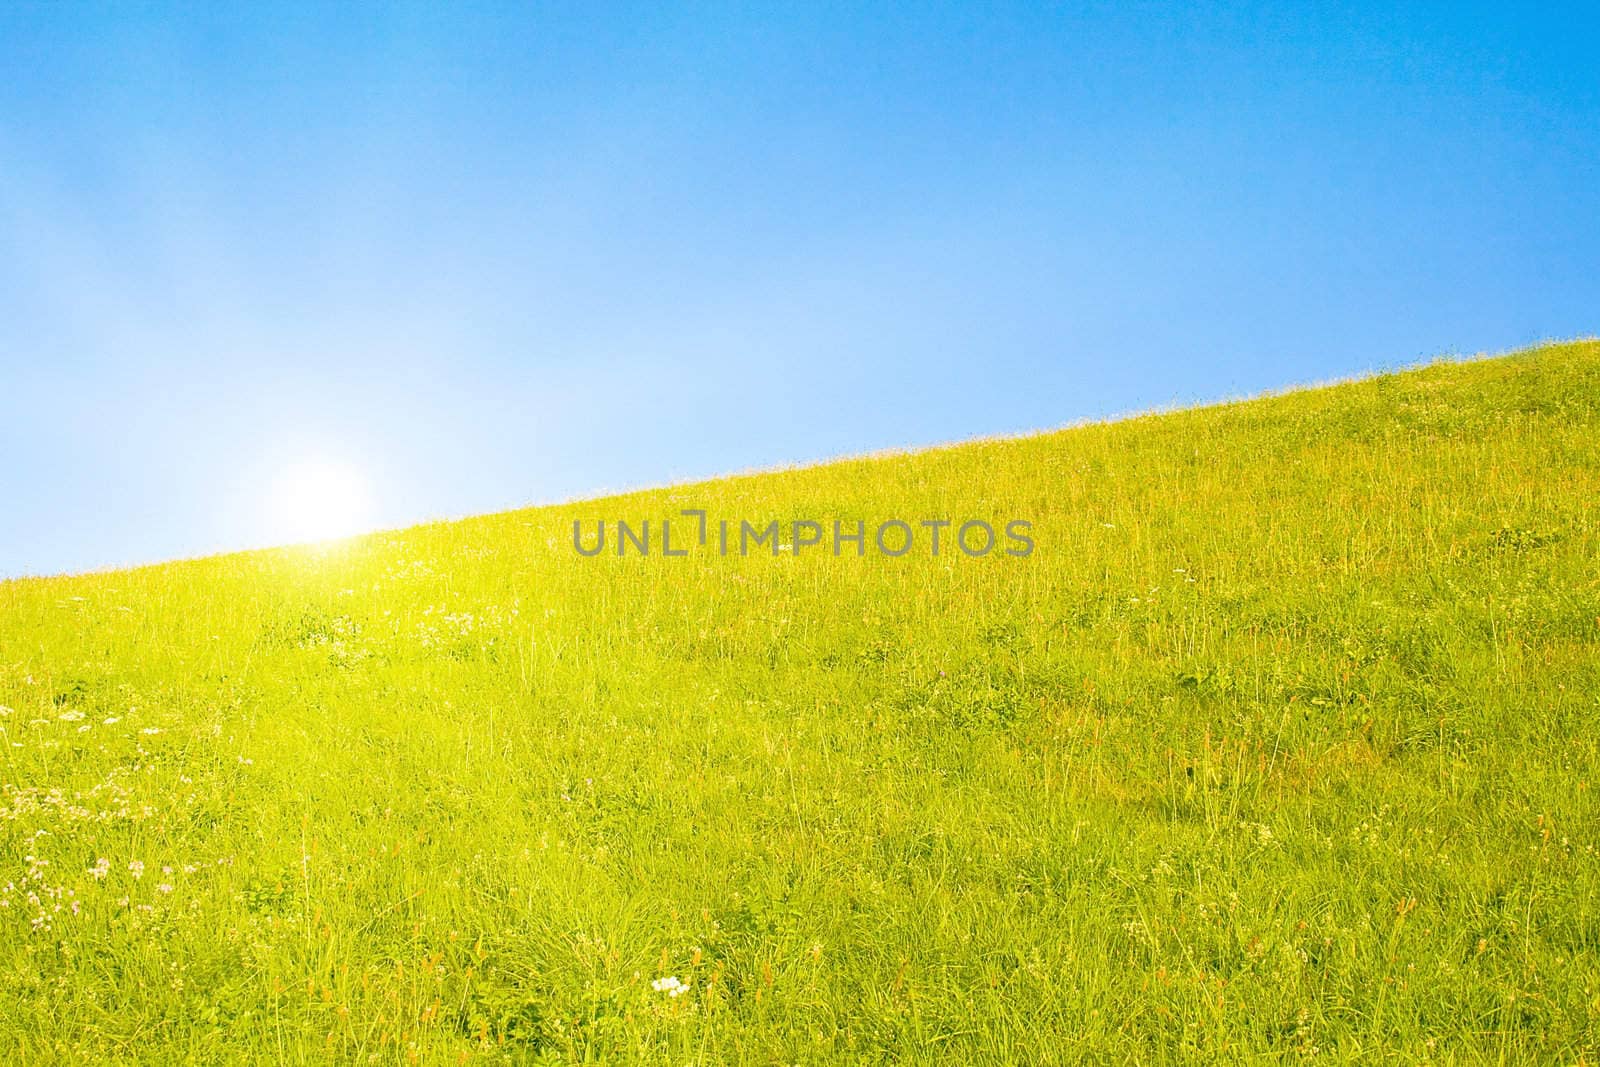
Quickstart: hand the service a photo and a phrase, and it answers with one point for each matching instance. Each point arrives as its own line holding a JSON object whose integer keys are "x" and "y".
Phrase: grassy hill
{"x": 1282, "y": 741}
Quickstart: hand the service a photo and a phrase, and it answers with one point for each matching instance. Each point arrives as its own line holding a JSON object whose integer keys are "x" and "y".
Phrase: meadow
{"x": 1279, "y": 745}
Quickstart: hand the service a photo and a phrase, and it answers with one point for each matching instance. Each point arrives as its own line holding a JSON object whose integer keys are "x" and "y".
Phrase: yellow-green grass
{"x": 1281, "y": 742}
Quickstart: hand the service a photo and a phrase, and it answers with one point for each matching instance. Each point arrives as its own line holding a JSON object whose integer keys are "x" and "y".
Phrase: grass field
{"x": 1280, "y": 745}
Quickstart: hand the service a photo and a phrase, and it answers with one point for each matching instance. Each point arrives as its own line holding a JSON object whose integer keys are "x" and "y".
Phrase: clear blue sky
{"x": 500, "y": 255}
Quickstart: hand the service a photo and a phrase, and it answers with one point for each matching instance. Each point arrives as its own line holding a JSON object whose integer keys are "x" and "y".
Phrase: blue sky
{"x": 490, "y": 256}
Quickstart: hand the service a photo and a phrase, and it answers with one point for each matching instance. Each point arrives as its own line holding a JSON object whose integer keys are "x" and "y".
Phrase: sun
{"x": 319, "y": 500}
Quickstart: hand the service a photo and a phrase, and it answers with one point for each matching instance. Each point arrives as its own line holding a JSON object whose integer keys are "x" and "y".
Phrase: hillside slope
{"x": 1281, "y": 740}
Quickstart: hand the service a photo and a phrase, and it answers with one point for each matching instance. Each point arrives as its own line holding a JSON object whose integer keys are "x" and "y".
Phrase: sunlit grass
{"x": 1280, "y": 744}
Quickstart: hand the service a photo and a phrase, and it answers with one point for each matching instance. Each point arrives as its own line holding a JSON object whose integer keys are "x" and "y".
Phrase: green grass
{"x": 1280, "y": 744}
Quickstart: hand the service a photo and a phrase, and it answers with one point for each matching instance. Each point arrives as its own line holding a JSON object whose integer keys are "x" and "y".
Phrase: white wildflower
{"x": 670, "y": 985}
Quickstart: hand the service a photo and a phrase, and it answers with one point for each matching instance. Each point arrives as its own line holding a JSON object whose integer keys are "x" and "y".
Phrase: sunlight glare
{"x": 319, "y": 500}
